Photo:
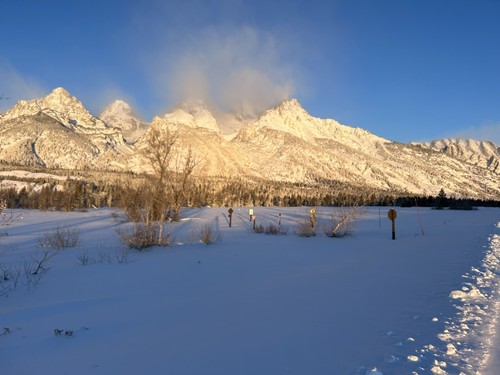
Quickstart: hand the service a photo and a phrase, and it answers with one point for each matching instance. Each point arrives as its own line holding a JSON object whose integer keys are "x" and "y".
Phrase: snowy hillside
{"x": 425, "y": 303}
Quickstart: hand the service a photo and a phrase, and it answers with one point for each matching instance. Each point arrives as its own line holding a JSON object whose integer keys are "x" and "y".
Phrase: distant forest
{"x": 99, "y": 189}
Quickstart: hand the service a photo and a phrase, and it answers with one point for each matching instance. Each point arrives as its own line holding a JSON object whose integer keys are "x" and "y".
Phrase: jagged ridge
{"x": 285, "y": 143}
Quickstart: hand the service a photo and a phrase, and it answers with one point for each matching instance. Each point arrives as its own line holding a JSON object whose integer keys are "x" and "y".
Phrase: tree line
{"x": 74, "y": 194}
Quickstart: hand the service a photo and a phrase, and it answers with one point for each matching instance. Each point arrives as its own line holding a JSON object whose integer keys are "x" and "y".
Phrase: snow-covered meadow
{"x": 253, "y": 303}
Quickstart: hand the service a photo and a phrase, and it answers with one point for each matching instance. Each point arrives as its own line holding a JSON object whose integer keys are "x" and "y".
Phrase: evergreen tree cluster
{"x": 68, "y": 196}
{"x": 441, "y": 201}
{"x": 94, "y": 191}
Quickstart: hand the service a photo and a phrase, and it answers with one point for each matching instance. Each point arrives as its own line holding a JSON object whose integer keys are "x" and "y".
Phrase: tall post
{"x": 230, "y": 212}
{"x": 392, "y": 216}
{"x": 313, "y": 217}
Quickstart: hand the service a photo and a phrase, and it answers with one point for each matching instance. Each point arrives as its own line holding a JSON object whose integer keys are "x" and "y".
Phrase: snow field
{"x": 255, "y": 303}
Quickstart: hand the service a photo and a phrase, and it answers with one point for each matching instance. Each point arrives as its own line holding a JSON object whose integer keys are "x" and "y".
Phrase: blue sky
{"x": 405, "y": 70}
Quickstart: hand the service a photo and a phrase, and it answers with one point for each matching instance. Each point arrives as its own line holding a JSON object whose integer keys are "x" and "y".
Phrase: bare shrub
{"x": 342, "y": 221}
{"x": 304, "y": 228}
{"x": 36, "y": 267}
{"x": 40, "y": 259}
{"x": 119, "y": 218}
{"x": 145, "y": 235}
{"x": 276, "y": 229}
{"x": 172, "y": 167}
{"x": 145, "y": 201}
{"x": 103, "y": 257}
{"x": 259, "y": 229}
{"x": 9, "y": 278}
{"x": 208, "y": 234}
{"x": 84, "y": 259}
{"x": 122, "y": 256}
{"x": 60, "y": 238}
{"x": 31, "y": 269}
{"x": 7, "y": 218}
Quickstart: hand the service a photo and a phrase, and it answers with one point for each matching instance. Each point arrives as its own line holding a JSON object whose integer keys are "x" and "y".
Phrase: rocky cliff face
{"x": 289, "y": 144}
{"x": 57, "y": 131}
{"x": 484, "y": 154}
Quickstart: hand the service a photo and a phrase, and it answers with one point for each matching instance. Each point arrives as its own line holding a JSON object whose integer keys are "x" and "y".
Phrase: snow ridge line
{"x": 471, "y": 334}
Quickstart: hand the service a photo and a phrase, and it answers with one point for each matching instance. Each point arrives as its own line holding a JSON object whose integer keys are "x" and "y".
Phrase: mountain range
{"x": 285, "y": 143}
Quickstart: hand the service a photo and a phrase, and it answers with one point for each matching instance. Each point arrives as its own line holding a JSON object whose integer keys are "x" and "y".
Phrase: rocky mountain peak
{"x": 61, "y": 106}
{"x": 290, "y": 105}
{"x": 118, "y": 109}
{"x": 119, "y": 114}
{"x": 119, "y": 105}
{"x": 485, "y": 154}
{"x": 192, "y": 113}
{"x": 285, "y": 143}
{"x": 62, "y": 102}
{"x": 59, "y": 93}
{"x": 289, "y": 108}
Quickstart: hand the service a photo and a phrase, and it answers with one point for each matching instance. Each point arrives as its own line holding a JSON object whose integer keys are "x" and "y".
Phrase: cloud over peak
{"x": 234, "y": 68}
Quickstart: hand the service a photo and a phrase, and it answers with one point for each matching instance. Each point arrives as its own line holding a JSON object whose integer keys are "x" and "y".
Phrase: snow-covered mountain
{"x": 289, "y": 144}
{"x": 120, "y": 115}
{"x": 198, "y": 114}
{"x": 291, "y": 118}
{"x": 57, "y": 131}
{"x": 484, "y": 154}
{"x": 216, "y": 155}
{"x": 194, "y": 114}
{"x": 285, "y": 143}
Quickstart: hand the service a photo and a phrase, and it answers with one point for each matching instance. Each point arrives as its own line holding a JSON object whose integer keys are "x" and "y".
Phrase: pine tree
{"x": 442, "y": 200}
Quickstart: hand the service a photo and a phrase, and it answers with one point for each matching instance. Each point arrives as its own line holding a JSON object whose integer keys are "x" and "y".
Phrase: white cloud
{"x": 101, "y": 98}
{"x": 486, "y": 132}
{"x": 234, "y": 68}
{"x": 14, "y": 86}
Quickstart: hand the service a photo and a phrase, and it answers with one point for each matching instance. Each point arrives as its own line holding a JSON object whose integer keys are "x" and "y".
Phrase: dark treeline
{"x": 451, "y": 203}
{"x": 70, "y": 194}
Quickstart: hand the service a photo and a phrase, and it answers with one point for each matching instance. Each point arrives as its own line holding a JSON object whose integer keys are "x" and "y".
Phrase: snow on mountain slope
{"x": 288, "y": 144}
{"x": 60, "y": 105}
{"x": 290, "y": 117}
{"x": 120, "y": 115}
{"x": 215, "y": 155}
{"x": 481, "y": 153}
{"x": 194, "y": 114}
{"x": 284, "y": 144}
{"x": 57, "y": 131}
{"x": 70, "y": 112}
{"x": 40, "y": 140}
{"x": 424, "y": 171}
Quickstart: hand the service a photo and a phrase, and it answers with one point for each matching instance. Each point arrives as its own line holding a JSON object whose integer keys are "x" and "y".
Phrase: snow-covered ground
{"x": 255, "y": 303}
